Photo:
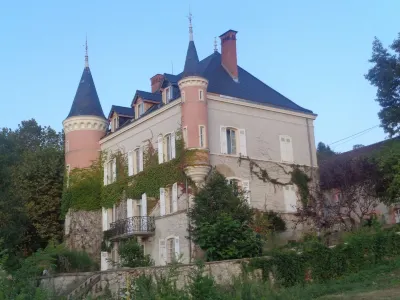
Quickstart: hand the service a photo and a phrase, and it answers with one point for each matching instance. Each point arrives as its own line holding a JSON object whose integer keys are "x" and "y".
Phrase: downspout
{"x": 187, "y": 213}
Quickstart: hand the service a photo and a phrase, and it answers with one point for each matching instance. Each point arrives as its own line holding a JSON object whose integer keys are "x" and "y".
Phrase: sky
{"x": 314, "y": 52}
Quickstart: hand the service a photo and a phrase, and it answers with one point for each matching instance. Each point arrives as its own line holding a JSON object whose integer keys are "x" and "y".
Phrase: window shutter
{"x": 141, "y": 159}
{"x": 143, "y": 205}
{"x": 177, "y": 250}
{"x": 130, "y": 163}
{"x": 290, "y": 199}
{"x": 129, "y": 208}
{"x": 162, "y": 251}
{"x": 242, "y": 140}
{"x": 162, "y": 201}
{"x": 114, "y": 169}
{"x": 224, "y": 143}
{"x": 105, "y": 219}
{"x": 105, "y": 173}
{"x": 282, "y": 143}
{"x": 175, "y": 197}
{"x": 160, "y": 149}
{"x": 289, "y": 149}
{"x": 246, "y": 190}
{"x": 173, "y": 150}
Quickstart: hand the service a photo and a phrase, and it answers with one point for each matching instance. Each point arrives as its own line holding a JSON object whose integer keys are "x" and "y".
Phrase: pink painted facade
{"x": 82, "y": 148}
{"x": 194, "y": 112}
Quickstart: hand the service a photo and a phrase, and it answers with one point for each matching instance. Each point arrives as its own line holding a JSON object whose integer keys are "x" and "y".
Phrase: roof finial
{"x": 86, "y": 55}
{"x": 215, "y": 45}
{"x": 190, "y": 26}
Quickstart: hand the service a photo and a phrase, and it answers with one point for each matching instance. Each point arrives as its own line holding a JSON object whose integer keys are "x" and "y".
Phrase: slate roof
{"x": 192, "y": 61}
{"x": 86, "y": 101}
{"x": 155, "y": 97}
{"x": 121, "y": 110}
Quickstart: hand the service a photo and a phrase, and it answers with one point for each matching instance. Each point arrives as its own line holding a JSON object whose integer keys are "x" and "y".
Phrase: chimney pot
{"x": 156, "y": 82}
{"x": 229, "y": 54}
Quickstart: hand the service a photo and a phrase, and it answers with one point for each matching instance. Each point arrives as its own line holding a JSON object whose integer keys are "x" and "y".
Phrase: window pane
{"x": 169, "y": 147}
{"x": 137, "y": 160}
{"x": 233, "y": 141}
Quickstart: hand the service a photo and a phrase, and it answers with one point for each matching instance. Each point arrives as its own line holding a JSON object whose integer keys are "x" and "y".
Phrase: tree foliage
{"x": 385, "y": 76}
{"x": 31, "y": 177}
{"x": 221, "y": 221}
{"x": 324, "y": 151}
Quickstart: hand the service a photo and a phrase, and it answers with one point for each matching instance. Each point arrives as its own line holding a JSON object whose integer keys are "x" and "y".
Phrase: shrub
{"x": 132, "y": 255}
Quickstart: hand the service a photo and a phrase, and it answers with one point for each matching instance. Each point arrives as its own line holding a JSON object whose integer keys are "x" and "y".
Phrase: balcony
{"x": 133, "y": 226}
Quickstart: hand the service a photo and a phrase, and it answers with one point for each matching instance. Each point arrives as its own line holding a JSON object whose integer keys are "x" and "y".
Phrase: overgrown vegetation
{"x": 221, "y": 221}
{"x": 132, "y": 255}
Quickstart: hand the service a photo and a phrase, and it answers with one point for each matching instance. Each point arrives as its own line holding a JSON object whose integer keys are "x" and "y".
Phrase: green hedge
{"x": 360, "y": 250}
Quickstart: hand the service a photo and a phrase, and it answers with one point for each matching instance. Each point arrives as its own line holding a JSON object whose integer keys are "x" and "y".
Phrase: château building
{"x": 220, "y": 112}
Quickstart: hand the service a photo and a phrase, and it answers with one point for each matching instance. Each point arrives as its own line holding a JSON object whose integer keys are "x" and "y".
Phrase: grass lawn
{"x": 380, "y": 282}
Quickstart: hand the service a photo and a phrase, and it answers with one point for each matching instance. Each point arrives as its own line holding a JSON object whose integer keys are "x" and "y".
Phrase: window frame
{"x": 136, "y": 158}
{"x": 168, "y": 94}
{"x": 237, "y": 179}
{"x": 168, "y": 146}
{"x": 171, "y": 257}
{"x": 201, "y": 95}
{"x": 140, "y": 107}
{"x": 202, "y": 136}
{"x": 229, "y": 143}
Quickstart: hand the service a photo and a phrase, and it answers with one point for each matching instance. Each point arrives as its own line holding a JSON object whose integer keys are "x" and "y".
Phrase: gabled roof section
{"x": 86, "y": 101}
{"x": 153, "y": 97}
{"x": 122, "y": 111}
{"x": 192, "y": 61}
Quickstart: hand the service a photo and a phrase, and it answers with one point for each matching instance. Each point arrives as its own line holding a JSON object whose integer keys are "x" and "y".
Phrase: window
{"x": 185, "y": 136}
{"x": 168, "y": 94}
{"x": 240, "y": 186}
{"x": 137, "y": 160}
{"x": 170, "y": 250}
{"x": 140, "y": 109}
{"x": 231, "y": 140}
{"x": 202, "y": 136}
{"x": 286, "y": 148}
{"x": 115, "y": 123}
{"x": 290, "y": 198}
{"x": 183, "y": 96}
{"x": 236, "y": 186}
{"x": 168, "y": 143}
{"x": 171, "y": 208}
{"x": 109, "y": 171}
{"x": 67, "y": 146}
{"x": 201, "y": 96}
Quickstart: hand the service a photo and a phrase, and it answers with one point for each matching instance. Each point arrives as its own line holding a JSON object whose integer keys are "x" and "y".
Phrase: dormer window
{"x": 115, "y": 123}
{"x": 140, "y": 109}
{"x": 168, "y": 94}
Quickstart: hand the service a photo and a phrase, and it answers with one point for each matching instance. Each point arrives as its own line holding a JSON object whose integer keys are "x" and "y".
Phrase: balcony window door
{"x": 168, "y": 142}
{"x": 231, "y": 140}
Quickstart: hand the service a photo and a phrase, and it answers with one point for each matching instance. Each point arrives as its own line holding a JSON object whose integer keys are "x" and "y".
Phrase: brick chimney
{"x": 156, "y": 82}
{"x": 228, "y": 53}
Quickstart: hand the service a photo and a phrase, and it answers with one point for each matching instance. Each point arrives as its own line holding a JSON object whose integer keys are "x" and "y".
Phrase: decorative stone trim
{"x": 197, "y": 173}
{"x": 193, "y": 81}
{"x": 85, "y": 123}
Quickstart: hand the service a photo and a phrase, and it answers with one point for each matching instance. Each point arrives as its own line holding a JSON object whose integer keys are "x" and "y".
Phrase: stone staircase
{"x": 83, "y": 288}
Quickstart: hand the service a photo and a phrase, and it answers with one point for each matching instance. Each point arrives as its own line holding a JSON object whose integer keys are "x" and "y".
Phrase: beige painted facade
{"x": 263, "y": 125}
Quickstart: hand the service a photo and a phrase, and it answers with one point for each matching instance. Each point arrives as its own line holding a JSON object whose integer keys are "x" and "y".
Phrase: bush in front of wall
{"x": 132, "y": 255}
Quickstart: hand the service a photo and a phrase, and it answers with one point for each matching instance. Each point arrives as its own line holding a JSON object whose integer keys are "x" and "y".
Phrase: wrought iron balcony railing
{"x": 139, "y": 226}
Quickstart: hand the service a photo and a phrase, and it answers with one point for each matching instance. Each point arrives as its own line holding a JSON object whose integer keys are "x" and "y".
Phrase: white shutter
{"x": 289, "y": 149}
{"x": 242, "y": 141}
{"x": 143, "y": 205}
{"x": 282, "y": 143}
{"x": 105, "y": 173}
{"x": 162, "y": 201}
{"x": 162, "y": 251}
{"x": 140, "y": 159}
{"x": 175, "y": 197}
{"x": 114, "y": 213}
{"x": 130, "y": 163}
{"x": 290, "y": 199}
{"x": 105, "y": 219}
{"x": 224, "y": 143}
{"x": 160, "y": 145}
{"x": 173, "y": 150}
{"x": 177, "y": 250}
{"x": 246, "y": 190}
{"x": 114, "y": 169}
{"x": 129, "y": 208}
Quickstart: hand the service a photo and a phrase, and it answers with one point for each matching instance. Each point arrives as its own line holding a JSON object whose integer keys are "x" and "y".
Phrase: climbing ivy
{"x": 86, "y": 190}
{"x": 298, "y": 176}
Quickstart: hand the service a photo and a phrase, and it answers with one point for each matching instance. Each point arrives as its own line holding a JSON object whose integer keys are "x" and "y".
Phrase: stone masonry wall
{"x": 83, "y": 231}
{"x": 115, "y": 280}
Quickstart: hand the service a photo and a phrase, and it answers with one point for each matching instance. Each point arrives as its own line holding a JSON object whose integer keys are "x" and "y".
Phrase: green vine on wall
{"x": 297, "y": 173}
{"x": 86, "y": 190}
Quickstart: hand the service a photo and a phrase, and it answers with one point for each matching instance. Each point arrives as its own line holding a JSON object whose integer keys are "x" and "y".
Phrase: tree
{"x": 221, "y": 221}
{"x": 132, "y": 256}
{"x": 385, "y": 76}
{"x": 324, "y": 151}
{"x": 357, "y": 146}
